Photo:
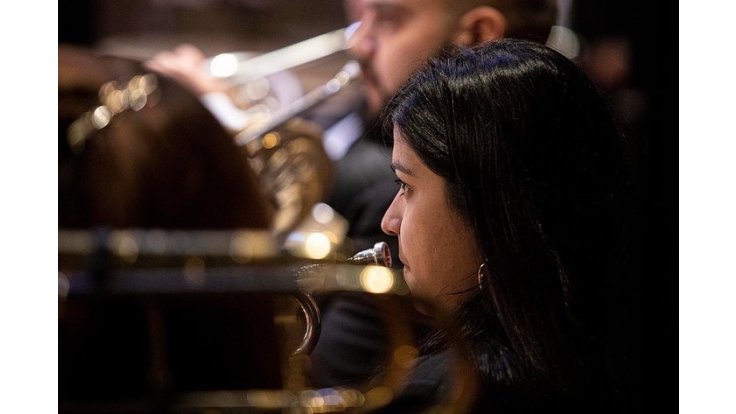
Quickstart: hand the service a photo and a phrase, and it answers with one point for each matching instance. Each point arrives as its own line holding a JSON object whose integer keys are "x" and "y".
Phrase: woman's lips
{"x": 403, "y": 262}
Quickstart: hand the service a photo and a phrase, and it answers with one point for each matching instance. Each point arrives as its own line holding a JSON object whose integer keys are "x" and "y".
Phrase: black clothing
{"x": 352, "y": 342}
{"x": 367, "y": 162}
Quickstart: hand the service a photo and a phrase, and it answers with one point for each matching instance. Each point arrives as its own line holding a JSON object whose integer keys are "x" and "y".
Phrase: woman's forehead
{"x": 403, "y": 158}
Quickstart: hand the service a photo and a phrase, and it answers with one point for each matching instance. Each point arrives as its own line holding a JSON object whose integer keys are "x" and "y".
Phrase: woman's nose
{"x": 391, "y": 222}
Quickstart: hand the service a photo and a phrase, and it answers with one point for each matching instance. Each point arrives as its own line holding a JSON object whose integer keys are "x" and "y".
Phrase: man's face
{"x": 394, "y": 39}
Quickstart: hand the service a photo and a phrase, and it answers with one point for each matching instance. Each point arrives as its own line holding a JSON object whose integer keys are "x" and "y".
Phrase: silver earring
{"x": 481, "y": 276}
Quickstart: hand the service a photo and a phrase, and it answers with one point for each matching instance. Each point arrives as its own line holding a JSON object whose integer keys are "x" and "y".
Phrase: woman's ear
{"x": 479, "y": 25}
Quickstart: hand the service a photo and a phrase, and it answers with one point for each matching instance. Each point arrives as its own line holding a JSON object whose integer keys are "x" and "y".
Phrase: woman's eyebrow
{"x": 397, "y": 166}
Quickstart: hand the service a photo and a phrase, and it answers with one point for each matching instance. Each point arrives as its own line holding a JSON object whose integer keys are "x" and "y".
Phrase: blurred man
{"x": 396, "y": 37}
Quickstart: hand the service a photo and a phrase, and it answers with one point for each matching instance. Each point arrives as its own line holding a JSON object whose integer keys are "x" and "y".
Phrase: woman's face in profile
{"x": 436, "y": 246}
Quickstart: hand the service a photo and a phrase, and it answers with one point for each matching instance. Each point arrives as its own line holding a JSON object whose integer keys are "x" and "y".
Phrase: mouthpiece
{"x": 378, "y": 255}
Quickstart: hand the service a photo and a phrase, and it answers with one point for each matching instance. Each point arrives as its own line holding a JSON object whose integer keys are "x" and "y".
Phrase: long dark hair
{"x": 534, "y": 162}
{"x": 168, "y": 165}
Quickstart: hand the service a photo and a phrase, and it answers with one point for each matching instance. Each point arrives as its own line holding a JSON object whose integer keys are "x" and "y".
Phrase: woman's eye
{"x": 402, "y": 185}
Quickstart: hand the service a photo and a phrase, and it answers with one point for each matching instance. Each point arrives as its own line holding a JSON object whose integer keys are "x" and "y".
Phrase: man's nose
{"x": 361, "y": 43}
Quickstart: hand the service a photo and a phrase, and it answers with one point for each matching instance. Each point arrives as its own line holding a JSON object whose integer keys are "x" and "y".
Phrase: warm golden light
{"x": 376, "y": 279}
{"x": 328, "y": 400}
{"x": 271, "y": 139}
{"x": 317, "y": 246}
{"x": 248, "y": 245}
{"x": 241, "y": 249}
{"x": 101, "y": 117}
{"x": 126, "y": 247}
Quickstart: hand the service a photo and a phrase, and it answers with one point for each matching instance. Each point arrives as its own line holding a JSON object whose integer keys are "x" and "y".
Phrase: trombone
{"x": 245, "y": 66}
{"x": 124, "y": 293}
{"x": 284, "y": 149}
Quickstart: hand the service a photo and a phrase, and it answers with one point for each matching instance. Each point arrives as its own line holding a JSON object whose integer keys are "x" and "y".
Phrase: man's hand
{"x": 186, "y": 64}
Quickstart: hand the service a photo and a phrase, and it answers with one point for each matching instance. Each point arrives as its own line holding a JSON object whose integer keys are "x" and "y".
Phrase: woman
{"x": 513, "y": 213}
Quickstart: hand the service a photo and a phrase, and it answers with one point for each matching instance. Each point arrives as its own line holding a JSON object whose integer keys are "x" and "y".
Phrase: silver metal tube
{"x": 245, "y": 66}
{"x": 349, "y": 72}
{"x": 378, "y": 255}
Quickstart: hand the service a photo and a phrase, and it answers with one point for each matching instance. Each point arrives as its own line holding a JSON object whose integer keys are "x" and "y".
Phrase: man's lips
{"x": 368, "y": 76}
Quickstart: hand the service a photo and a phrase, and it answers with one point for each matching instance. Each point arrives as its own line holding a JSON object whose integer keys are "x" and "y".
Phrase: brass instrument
{"x": 245, "y": 66}
{"x": 288, "y": 155}
{"x": 148, "y": 317}
{"x": 285, "y": 150}
{"x": 119, "y": 288}
{"x": 378, "y": 255}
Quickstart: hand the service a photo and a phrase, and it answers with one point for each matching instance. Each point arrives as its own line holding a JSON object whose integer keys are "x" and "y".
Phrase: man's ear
{"x": 480, "y": 24}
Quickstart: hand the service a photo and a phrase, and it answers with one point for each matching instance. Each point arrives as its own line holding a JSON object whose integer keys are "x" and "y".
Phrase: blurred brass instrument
{"x": 378, "y": 255}
{"x": 224, "y": 321}
{"x": 285, "y": 150}
{"x": 203, "y": 321}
